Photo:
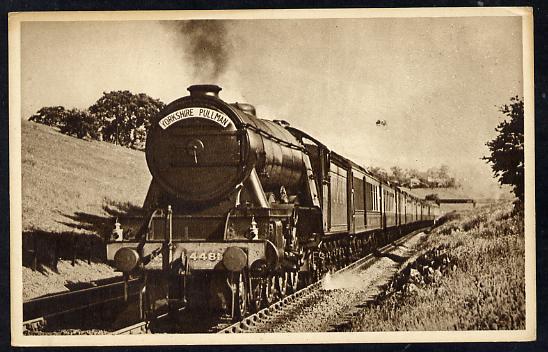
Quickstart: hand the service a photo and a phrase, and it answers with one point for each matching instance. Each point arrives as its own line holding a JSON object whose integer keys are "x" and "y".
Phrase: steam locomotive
{"x": 242, "y": 211}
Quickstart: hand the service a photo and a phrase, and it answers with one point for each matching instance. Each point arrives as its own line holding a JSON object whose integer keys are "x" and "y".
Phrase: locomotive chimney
{"x": 211, "y": 90}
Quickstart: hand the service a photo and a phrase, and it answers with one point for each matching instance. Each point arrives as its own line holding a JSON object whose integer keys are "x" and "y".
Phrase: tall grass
{"x": 482, "y": 289}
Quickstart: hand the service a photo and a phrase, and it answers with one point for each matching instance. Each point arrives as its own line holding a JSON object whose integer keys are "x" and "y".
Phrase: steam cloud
{"x": 207, "y": 46}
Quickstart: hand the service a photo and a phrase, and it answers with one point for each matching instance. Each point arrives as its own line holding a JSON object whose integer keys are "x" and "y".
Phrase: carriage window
{"x": 389, "y": 201}
{"x": 372, "y": 197}
{"x": 368, "y": 196}
{"x": 358, "y": 193}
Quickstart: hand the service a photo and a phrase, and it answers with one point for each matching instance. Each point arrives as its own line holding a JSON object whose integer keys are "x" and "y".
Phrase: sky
{"x": 437, "y": 82}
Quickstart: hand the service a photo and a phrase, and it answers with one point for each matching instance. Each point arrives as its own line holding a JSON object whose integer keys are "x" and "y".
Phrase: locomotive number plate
{"x": 210, "y": 256}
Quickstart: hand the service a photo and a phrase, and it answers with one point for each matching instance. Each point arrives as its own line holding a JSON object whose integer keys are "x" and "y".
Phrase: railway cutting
{"x": 244, "y": 216}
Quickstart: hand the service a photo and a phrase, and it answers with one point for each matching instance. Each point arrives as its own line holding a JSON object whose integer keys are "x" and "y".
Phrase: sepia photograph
{"x": 272, "y": 176}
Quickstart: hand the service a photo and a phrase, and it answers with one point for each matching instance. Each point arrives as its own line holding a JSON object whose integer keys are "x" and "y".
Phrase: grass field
{"x": 65, "y": 178}
{"x": 71, "y": 191}
{"x": 473, "y": 278}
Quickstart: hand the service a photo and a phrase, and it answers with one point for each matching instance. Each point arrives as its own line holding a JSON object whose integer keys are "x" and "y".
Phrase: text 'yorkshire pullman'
{"x": 203, "y": 113}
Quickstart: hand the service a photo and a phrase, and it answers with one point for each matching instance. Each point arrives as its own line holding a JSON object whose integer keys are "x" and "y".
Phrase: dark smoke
{"x": 208, "y": 49}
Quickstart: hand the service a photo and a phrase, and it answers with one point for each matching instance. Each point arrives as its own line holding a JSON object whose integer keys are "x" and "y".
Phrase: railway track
{"x": 309, "y": 293}
{"x": 47, "y": 310}
{"x": 247, "y": 324}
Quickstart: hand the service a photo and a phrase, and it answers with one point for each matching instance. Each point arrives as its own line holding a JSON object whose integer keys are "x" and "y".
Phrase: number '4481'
{"x": 212, "y": 256}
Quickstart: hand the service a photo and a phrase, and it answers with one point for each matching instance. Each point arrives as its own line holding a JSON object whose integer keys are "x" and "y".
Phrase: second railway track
{"x": 53, "y": 311}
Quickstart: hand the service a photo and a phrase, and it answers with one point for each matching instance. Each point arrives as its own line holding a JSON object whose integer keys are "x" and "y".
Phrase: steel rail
{"x": 37, "y": 311}
{"x": 142, "y": 327}
{"x": 268, "y": 313}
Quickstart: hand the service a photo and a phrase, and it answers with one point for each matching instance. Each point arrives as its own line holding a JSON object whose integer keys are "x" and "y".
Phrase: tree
{"x": 379, "y": 173}
{"x": 81, "y": 124}
{"x": 439, "y": 177}
{"x": 50, "y": 115}
{"x": 125, "y": 117}
{"x": 507, "y": 150}
{"x": 412, "y": 178}
{"x": 398, "y": 176}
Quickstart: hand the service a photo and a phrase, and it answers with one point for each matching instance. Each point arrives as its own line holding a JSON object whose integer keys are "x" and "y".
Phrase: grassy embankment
{"x": 71, "y": 190}
{"x": 472, "y": 278}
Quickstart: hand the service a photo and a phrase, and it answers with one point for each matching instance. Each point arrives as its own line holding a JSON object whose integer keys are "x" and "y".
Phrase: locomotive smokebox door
{"x": 197, "y": 166}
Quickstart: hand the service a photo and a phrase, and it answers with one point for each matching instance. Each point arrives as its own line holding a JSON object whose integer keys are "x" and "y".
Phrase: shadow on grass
{"x": 102, "y": 225}
{"x": 43, "y": 249}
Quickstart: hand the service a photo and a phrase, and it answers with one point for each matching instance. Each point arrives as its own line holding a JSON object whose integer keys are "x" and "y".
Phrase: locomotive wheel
{"x": 305, "y": 279}
{"x": 269, "y": 291}
{"x": 281, "y": 284}
{"x": 264, "y": 292}
{"x": 318, "y": 260}
{"x": 257, "y": 293}
{"x": 144, "y": 302}
{"x": 293, "y": 281}
{"x": 240, "y": 301}
{"x": 316, "y": 274}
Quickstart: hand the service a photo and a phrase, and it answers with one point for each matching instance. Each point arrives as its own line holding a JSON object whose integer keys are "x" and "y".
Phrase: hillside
{"x": 65, "y": 179}
{"x": 471, "y": 276}
{"x": 71, "y": 190}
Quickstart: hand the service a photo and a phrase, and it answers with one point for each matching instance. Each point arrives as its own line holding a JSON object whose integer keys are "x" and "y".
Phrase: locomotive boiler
{"x": 242, "y": 211}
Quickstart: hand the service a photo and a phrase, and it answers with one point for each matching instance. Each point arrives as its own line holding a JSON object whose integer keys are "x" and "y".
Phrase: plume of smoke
{"x": 207, "y": 48}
